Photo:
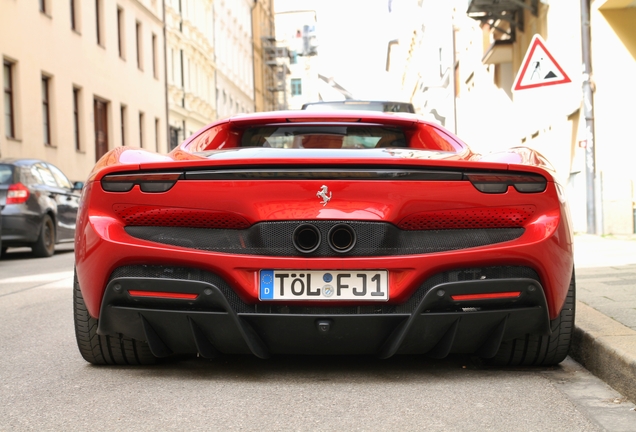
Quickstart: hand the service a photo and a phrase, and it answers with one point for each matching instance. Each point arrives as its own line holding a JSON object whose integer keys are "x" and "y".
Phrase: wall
{"x": 44, "y": 44}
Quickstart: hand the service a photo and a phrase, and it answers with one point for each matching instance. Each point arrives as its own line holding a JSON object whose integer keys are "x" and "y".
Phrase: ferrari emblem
{"x": 324, "y": 194}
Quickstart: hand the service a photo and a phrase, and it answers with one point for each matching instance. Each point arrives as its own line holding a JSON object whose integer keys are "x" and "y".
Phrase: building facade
{"x": 81, "y": 78}
{"x": 263, "y": 38}
{"x": 234, "y": 53}
{"x": 296, "y": 32}
{"x": 613, "y": 50}
{"x": 487, "y": 41}
{"x": 191, "y": 68}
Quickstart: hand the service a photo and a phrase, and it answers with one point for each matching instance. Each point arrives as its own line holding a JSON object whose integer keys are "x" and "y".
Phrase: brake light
{"x": 17, "y": 194}
{"x": 150, "y": 182}
{"x": 324, "y": 120}
{"x": 499, "y": 182}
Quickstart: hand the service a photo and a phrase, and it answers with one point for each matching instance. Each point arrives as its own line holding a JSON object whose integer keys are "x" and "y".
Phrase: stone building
{"x": 264, "y": 63}
{"x": 191, "y": 68}
{"x": 81, "y": 78}
{"x": 482, "y": 43}
{"x": 234, "y": 53}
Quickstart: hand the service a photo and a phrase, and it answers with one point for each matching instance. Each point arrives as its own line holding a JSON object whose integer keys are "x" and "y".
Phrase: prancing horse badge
{"x": 324, "y": 194}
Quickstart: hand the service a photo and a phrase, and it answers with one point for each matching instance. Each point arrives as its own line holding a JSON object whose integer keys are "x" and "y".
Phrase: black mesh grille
{"x": 275, "y": 239}
{"x": 239, "y": 306}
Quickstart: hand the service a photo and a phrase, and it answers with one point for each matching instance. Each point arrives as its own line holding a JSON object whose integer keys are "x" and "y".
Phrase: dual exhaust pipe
{"x": 307, "y": 238}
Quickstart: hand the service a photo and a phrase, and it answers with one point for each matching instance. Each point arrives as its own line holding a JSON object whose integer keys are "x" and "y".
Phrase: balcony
{"x": 492, "y": 12}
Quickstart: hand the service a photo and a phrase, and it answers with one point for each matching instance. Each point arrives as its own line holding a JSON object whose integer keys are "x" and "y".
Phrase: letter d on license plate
{"x": 324, "y": 285}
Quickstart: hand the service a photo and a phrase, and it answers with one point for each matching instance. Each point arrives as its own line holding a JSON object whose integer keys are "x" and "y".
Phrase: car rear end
{"x": 353, "y": 251}
{"x": 21, "y": 212}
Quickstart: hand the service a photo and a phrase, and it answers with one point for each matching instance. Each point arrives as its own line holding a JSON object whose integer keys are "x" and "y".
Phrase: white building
{"x": 420, "y": 58}
{"x": 234, "y": 65}
{"x": 81, "y": 78}
{"x": 191, "y": 69}
{"x": 296, "y": 30}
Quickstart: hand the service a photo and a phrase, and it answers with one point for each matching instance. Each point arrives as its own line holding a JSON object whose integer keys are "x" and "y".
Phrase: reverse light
{"x": 148, "y": 182}
{"x": 498, "y": 183}
{"x": 17, "y": 194}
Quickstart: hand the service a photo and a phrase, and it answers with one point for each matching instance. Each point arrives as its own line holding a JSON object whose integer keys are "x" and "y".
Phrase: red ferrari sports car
{"x": 323, "y": 233}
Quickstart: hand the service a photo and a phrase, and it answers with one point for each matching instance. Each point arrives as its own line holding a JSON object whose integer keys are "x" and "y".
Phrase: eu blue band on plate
{"x": 267, "y": 284}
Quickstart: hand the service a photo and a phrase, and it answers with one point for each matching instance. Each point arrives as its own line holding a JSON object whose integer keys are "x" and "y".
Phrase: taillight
{"x": 498, "y": 183}
{"x": 150, "y": 182}
{"x": 17, "y": 194}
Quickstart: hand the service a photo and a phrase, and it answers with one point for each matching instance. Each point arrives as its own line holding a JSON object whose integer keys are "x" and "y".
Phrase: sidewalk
{"x": 605, "y": 334}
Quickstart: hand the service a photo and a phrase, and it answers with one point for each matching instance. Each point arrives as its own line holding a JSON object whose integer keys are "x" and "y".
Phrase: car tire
{"x": 44, "y": 246}
{"x": 105, "y": 350}
{"x": 542, "y": 350}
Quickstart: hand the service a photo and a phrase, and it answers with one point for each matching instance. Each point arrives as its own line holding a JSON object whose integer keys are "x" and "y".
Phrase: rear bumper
{"x": 19, "y": 226}
{"x": 430, "y": 322}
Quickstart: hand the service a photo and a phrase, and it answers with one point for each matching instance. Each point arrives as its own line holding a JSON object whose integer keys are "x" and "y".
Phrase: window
{"x": 155, "y": 70}
{"x": 174, "y": 137}
{"x": 60, "y": 178}
{"x": 46, "y": 112}
{"x": 296, "y": 87}
{"x": 98, "y": 22}
{"x": 122, "y": 118}
{"x": 43, "y": 7}
{"x": 76, "y": 123}
{"x": 138, "y": 40}
{"x": 293, "y": 59}
{"x": 120, "y": 33}
{"x": 141, "y": 129}
{"x": 346, "y": 137}
{"x": 100, "y": 122}
{"x": 73, "y": 15}
{"x": 44, "y": 174}
{"x": 9, "y": 114}
{"x": 156, "y": 134}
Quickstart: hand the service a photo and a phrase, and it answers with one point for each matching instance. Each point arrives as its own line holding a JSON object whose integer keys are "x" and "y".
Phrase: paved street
{"x": 46, "y": 385}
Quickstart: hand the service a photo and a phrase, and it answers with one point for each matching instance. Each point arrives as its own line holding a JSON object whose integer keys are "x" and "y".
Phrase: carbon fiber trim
{"x": 275, "y": 238}
{"x": 239, "y": 306}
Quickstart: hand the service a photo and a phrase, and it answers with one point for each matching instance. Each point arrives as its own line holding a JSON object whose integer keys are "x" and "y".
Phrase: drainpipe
{"x": 454, "y": 74}
{"x": 594, "y": 224}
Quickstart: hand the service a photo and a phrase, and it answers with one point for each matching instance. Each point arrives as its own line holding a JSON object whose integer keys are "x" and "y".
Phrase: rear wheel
{"x": 541, "y": 350}
{"x": 102, "y": 350}
{"x": 44, "y": 246}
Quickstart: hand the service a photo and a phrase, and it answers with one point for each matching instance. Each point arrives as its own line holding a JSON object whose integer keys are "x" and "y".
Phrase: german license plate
{"x": 324, "y": 285}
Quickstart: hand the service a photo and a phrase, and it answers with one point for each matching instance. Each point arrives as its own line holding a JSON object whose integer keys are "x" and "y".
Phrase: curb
{"x": 606, "y": 348}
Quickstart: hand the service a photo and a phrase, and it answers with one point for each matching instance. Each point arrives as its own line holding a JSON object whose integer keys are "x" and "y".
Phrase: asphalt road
{"x": 46, "y": 385}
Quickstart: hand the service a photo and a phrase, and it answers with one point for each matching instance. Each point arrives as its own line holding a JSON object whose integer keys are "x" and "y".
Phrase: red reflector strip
{"x": 486, "y": 296}
{"x": 159, "y": 294}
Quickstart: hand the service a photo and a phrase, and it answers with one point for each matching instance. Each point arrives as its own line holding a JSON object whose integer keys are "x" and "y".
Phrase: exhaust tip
{"x": 342, "y": 238}
{"x": 306, "y": 238}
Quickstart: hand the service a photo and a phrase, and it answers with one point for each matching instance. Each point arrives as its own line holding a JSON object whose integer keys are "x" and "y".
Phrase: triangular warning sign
{"x": 539, "y": 68}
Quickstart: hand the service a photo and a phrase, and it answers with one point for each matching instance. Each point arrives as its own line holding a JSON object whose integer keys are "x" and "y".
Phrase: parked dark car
{"x": 40, "y": 205}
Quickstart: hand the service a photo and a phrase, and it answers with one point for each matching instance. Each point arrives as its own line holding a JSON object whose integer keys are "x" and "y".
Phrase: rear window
{"x": 327, "y": 137}
{"x": 6, "y": 175}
